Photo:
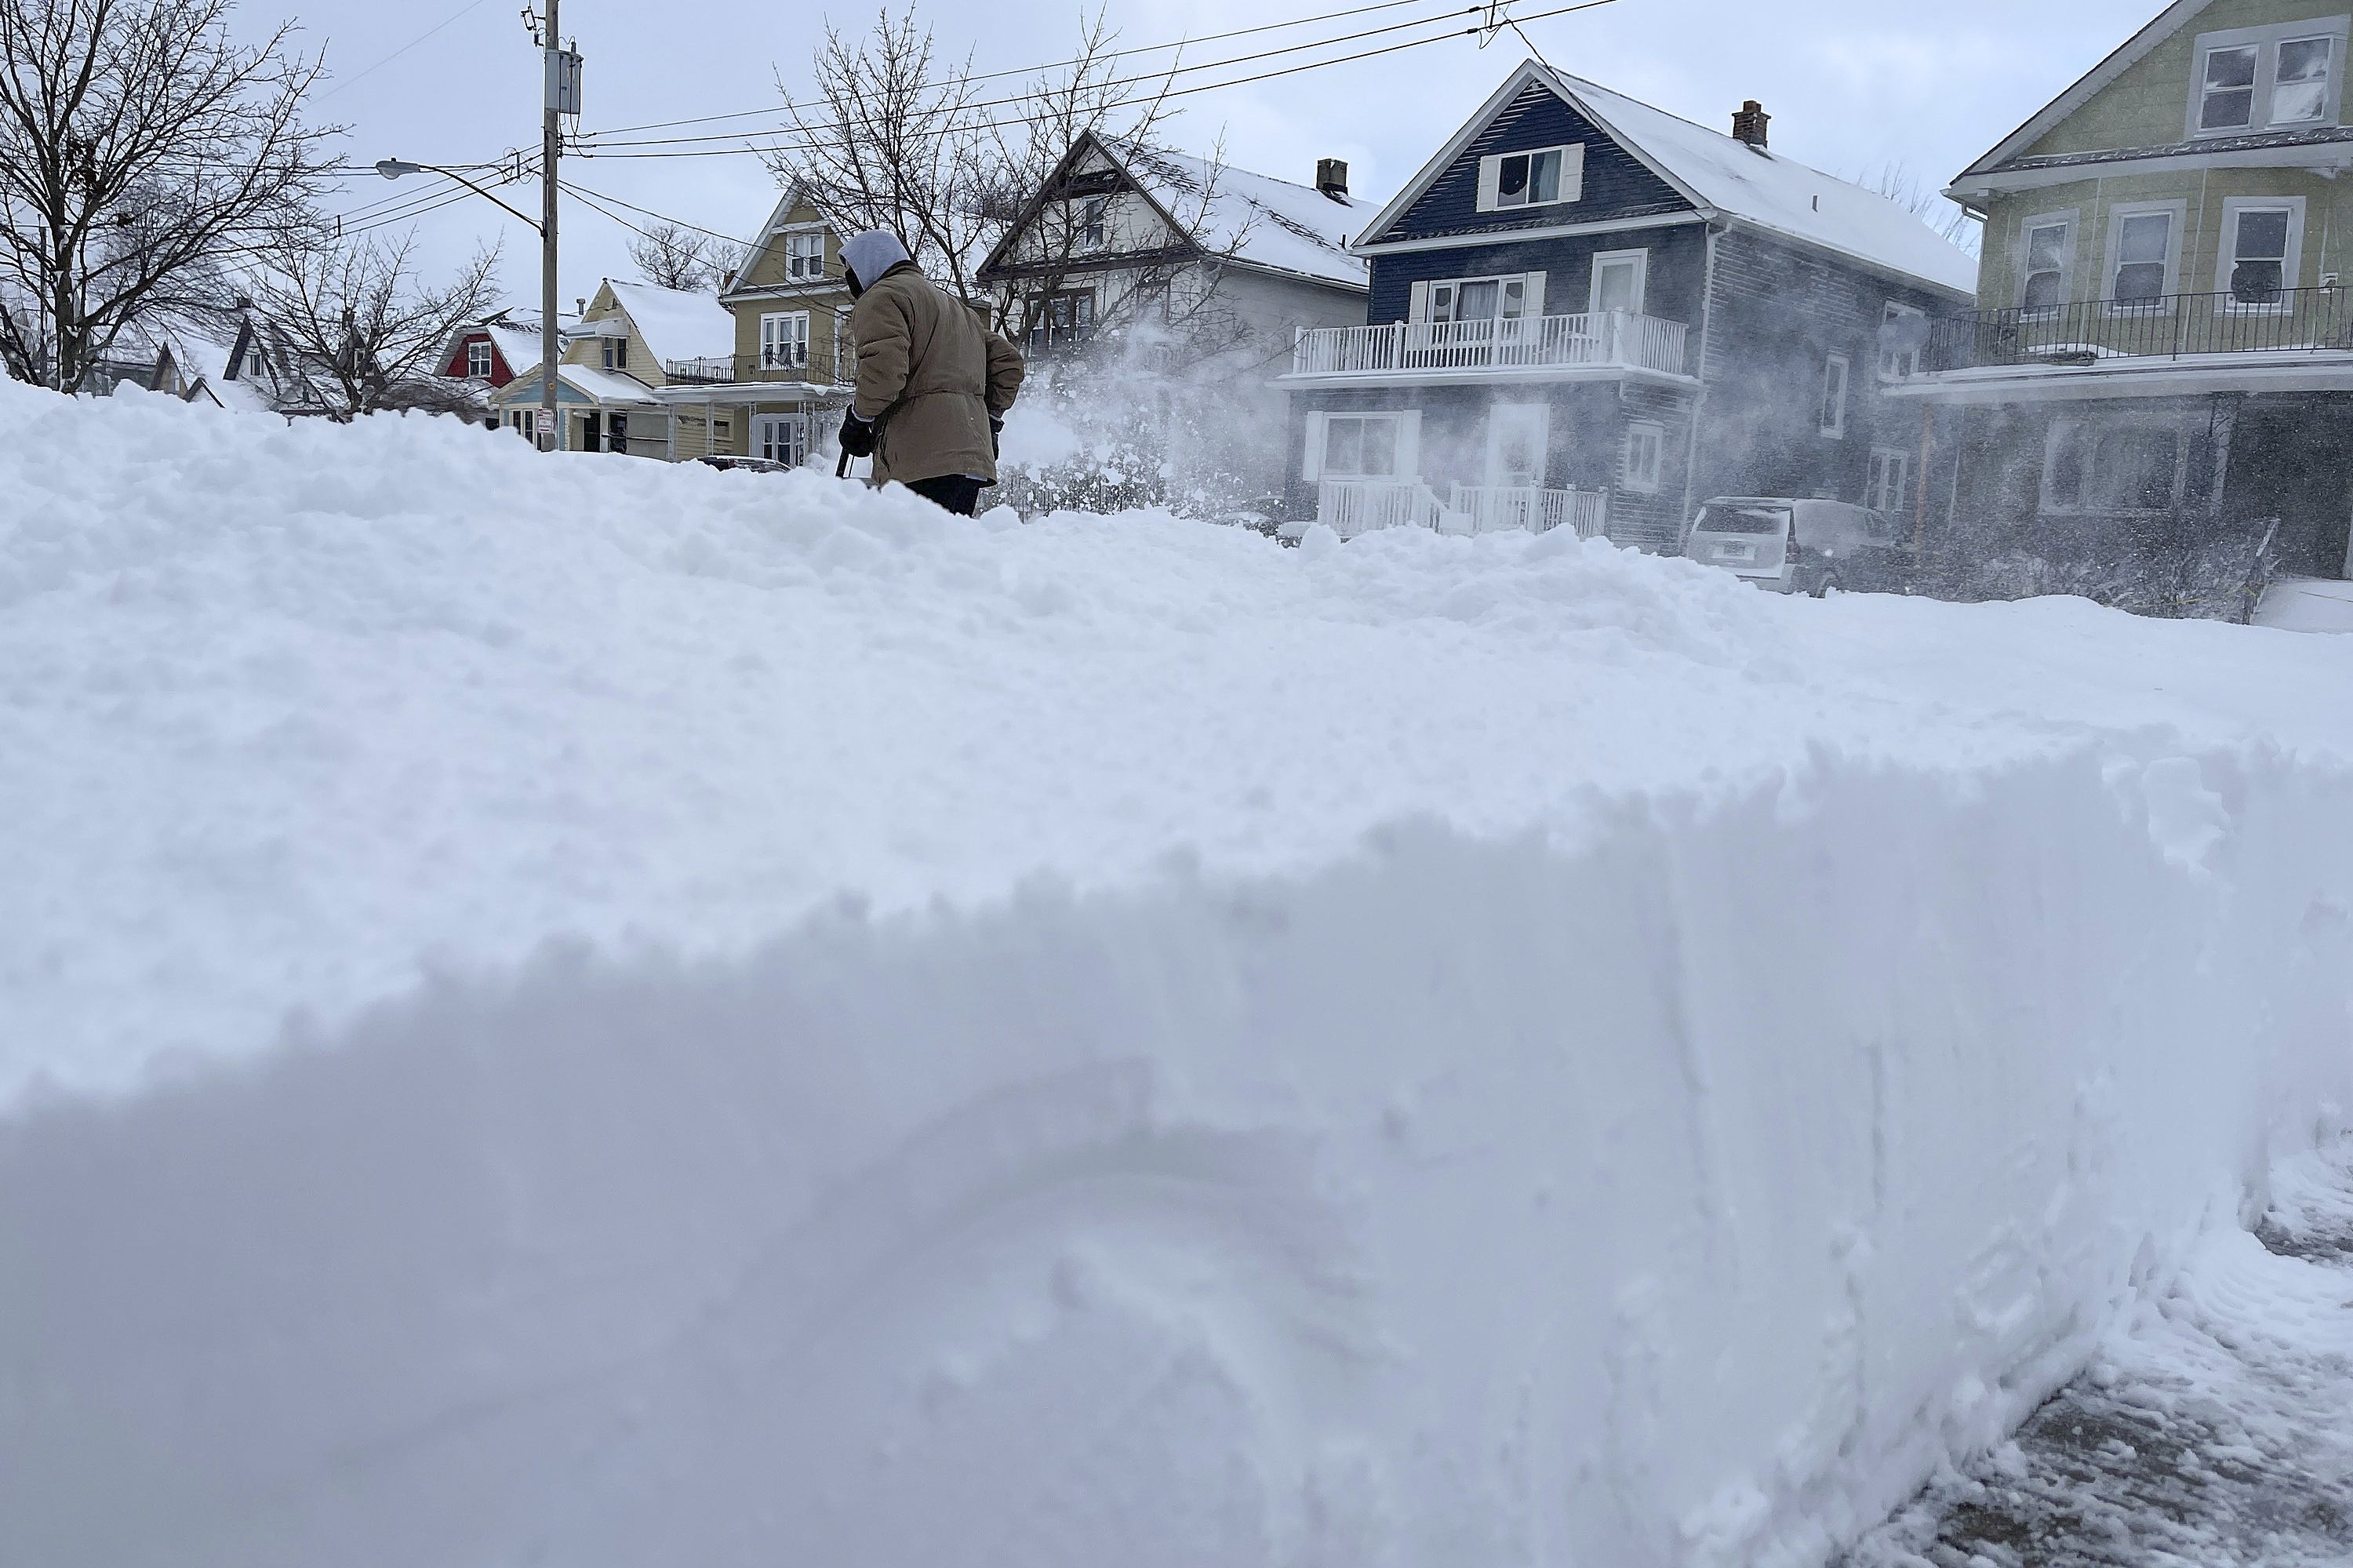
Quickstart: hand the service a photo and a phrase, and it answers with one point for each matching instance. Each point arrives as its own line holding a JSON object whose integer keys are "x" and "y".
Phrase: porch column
{"x": 2220, "y": 426}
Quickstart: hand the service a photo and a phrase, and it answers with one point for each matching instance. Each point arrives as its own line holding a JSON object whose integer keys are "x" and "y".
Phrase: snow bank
{"x": 584, "y": 1012}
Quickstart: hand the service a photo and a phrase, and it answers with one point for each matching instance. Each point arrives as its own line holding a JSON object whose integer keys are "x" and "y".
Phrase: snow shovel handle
{"x": 841, "y": 468}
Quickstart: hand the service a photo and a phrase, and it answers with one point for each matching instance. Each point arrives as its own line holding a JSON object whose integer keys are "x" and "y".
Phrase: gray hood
{"x": 871, "y": 254}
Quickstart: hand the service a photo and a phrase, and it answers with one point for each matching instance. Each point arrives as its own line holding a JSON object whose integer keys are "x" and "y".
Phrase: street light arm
{"x": 393, "y": 168}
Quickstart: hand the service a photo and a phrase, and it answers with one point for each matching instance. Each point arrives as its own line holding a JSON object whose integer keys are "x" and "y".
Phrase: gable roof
{"x": 2126, "y": 56}
{"x": 677, "y": 323}
{"x": 1722, "y": 176}
{"x": 1254, "y": 220}
{"x": 1242, "y": 218}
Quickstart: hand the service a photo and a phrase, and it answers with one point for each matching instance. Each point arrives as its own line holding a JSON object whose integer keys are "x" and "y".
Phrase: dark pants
{"x": 955, "y": 491}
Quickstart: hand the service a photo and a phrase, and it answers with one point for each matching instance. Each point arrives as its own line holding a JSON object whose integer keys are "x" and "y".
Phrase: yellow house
{"x": 791, "y": 361}
{"x": 629, "y": 374}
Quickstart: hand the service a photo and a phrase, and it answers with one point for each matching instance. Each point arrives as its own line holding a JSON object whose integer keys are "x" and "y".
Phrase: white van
{"x": 1798, "y": 546}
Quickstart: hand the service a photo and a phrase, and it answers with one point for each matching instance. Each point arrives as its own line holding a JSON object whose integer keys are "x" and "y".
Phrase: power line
{"x": 1056, "y": 65}
{"x": 804, "y": 144}
{"x": 476, "y": 5}
{"x": 797, "y": 128}
{"x": 584, "y": 194}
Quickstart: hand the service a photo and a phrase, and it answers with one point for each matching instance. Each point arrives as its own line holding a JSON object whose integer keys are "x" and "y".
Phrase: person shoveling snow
{"x": 934, "y": 383}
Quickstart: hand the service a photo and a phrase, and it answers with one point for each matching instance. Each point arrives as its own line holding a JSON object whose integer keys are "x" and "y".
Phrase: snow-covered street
{"x": 2214, "y": 1429}
{"x": 602, "y": 1013}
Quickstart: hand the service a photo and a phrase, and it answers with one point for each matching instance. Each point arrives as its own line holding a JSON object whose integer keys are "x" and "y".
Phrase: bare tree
{"x": 899, "y": 138}
{"x": 364, "y": 330}
{"x": 1951, "y": 221}
{"x": 140, "y": 151}
{"x": 670, "y": 256}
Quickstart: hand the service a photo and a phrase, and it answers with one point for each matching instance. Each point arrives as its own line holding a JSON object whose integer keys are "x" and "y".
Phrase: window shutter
{"x": 1572, "y": 172}
{"x": 1409, "y": 444}
{"x": 1312, "y": 465}
{"x": 1536, "y": 282}
{"x": 1491, "y": 180}
{"x": 1419, "y": 308}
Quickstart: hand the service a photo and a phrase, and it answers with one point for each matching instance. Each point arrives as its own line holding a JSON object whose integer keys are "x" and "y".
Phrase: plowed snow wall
{"x": 1679, "y": 1193}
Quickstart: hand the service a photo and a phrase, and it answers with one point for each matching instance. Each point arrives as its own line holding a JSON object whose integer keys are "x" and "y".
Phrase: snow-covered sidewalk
{"x": 2214, "y": 1429}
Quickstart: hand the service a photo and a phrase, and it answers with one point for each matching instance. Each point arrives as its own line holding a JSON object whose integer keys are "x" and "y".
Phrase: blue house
{"x": 1587, "y": 312}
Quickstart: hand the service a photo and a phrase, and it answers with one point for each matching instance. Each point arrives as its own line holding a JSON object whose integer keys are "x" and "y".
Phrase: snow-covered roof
{"x": 1255, "y": 219}
{"x": 678, "y": 323}
{"x": 1774, "y": 192}
{"x": 604, "y": 386}
{"x": 1720, "y": 174}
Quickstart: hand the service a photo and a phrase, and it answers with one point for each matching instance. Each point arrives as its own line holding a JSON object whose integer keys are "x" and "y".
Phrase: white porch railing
{"x": 1407, "y": 349}
{"x": 1492, "y": 508}
{"x": 1353, "y": 506}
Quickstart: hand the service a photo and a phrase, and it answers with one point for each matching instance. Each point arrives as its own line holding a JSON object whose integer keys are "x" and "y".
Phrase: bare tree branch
{"x": 362, "y": 330}
{"x": 672, "y": 257}
{"x": 141, "y": 153}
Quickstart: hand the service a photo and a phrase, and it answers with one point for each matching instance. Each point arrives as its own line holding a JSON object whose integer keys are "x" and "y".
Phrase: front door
{"x": 781, "y": 438}
{"x": 1515, "y": 444}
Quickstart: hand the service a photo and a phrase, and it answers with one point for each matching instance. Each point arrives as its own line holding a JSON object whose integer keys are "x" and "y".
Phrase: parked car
{"x": 1799, "y": 546}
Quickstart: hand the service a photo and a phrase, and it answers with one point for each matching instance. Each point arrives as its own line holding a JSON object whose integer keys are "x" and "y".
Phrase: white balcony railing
{"x": 1407, "y": 349}
{"x": 1353, "y": 506}
{"x": 1492, "y": 508}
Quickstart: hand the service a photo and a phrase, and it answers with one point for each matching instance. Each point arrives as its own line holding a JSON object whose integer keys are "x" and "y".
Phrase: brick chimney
{"x": 1332, "y": 178}
{"x": 1749, "y": 124}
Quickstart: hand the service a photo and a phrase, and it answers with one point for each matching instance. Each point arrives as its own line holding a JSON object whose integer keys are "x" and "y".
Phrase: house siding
{"x": 1617, "y": 183}
{"x": 2148, "y": 104}
{"x": 1678, "y": 269}
{"x": 1779, "y": 313}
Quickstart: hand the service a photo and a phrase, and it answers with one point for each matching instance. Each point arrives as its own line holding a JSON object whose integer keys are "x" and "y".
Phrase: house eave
{"x": 1512, "y": 375}
{"x": 2328, "y": 154}
{"x": 1479, "y": 238}
{"x": 2323, "y": 370}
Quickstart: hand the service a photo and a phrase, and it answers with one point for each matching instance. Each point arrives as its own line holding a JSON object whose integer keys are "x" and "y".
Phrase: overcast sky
{"x": 1855, "y": 86}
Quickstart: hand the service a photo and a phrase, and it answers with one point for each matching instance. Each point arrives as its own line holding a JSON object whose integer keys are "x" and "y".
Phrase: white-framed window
{"x": 2263, "y": 241}
{"x": 1833, "y": 409}
{"x": 1506, "y": 298}
{"x": 1541, "y": 177}
{"x": 1094, "y": 224}
{"x": 1372, "y": 445}
{"x": 2263, "y": 79}
{"x": 2112, "y": 466}
{"x": 478, "y": 360}
{"x": 2046, "y": 255}
{"x": 1646, "y": 456}
{"x": 1902, "y": 333}
{"x": 785, "y": 340}
{"x": 804, "y": 256}
{"x": 526, "y": 421}
{"x": 1621, "y": 282}
{"x": 2144, "y": 252}
{"x": 1889, "y": 491}
{"x": 780, "y": 438}
{"x": 617, "y": 352}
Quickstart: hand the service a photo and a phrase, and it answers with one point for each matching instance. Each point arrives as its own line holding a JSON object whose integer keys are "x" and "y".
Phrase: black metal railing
{"x": 769, "y": 365}
{"x": 2170, "y": 326}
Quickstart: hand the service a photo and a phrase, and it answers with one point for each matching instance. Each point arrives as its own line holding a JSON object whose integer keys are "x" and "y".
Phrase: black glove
{"x": 996, "y": 437}
{"x": 857, "y": 434}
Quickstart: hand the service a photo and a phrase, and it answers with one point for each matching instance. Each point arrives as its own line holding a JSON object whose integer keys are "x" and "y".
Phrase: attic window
{"x": 1094, "y": 231}
{"x": 1541, "y": 176}
{"x": 804, "y": 256}
{"x": 2262, "y": 78}
{"x": 478, "y": 360}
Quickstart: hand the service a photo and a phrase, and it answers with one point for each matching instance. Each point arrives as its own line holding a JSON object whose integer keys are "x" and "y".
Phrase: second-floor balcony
{"x": 2133, "y": 334}
{"x": 1505, "y": 348}
{"x": 785, "y": 363}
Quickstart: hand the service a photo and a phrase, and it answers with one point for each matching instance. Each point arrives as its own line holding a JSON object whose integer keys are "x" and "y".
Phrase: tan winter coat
{"x": 930, "y": 376}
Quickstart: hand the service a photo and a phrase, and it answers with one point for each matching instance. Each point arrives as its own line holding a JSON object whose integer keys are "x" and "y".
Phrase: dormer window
{"x": 1543, "y": 177}
{"x": 2267, "y": 79}
{"x": 478, "y": 360}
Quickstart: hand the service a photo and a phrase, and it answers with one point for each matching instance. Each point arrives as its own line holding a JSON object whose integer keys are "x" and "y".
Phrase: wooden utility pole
{"x": 551, "y": 147}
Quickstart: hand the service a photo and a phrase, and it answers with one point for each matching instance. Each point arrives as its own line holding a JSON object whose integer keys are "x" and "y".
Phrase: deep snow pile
{"x": 585, "y": 1013}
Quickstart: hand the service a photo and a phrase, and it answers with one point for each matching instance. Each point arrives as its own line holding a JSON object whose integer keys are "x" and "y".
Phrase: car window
{"x": 1736, "y": 519}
